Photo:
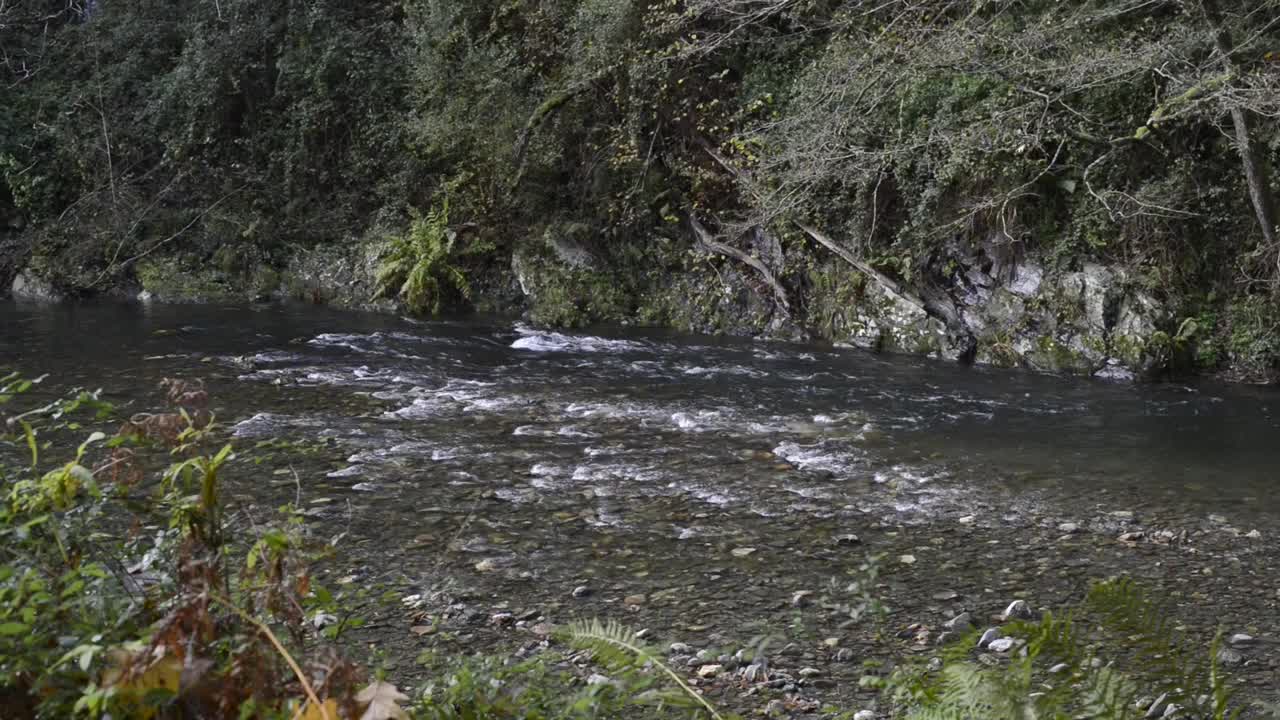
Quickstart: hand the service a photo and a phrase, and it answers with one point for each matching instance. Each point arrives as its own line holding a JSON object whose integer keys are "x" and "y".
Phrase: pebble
{"x": 775, "y": 708}
{"x": 801, "y": 598}
{"x": 1254, "y": 535}
{"x": 907, "y": 559}
{"x": 959, "y": 623}
{"x": 753, "y": 673}
{"x": 597, "y": 679}
{"x": 1069, "y": 528}
{"x": 847, "y": 539}
{"x": 1228, "y": 656}
{"x": 991, "y": 635}
{"x": 967, "y": 520}
{"x": 1059, "y": 668}
{"x": 864, "y": 715}
{"x": 634, "y": 600}
{"x": 709, "y": 671}
{"x": 680, "y": 649}
{"x": 809, "y": 672}
{"x": 1017, "y": 610}
{"x": 844, "y": 655}
{"x": 1241, "y": 640}
{"x": 1172, "y": 710}
{"x": 502, "y": 618}
{"x": 704, "y": 655}
{"x": 831, "y": 642}
{"x": 1001, "y": 645}
{"x": 581, "y": 591}
{"x": 743, "y": 551}
{"x": 1158, "y": 707}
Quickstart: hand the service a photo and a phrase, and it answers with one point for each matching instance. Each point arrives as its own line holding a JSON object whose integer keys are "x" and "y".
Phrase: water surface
{"x": 494, "y": 466}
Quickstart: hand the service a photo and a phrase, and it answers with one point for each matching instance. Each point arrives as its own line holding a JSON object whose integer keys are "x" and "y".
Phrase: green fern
{"x": 420, "y": 267}
{"x": 1022, "y": 688}
{"x": 617, "y": 646}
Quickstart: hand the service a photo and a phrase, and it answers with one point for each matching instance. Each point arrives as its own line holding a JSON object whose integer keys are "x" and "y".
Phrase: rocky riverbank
{"x": 753, "y": 637}
{"x": 1090, "y": 320}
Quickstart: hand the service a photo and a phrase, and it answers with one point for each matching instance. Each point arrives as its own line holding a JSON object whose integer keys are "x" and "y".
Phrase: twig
{"x": 275, "y": 642}
{"x": 172, "y": 237}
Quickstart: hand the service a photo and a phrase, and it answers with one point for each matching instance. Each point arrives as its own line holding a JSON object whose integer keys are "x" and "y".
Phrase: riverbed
{"x": 700, "y": 486}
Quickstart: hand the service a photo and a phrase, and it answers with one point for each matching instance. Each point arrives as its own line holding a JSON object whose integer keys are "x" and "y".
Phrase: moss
{"x": 562, "y": 297}
{"x": 264, "y": 282}
{"x": 999, "y": 350}
{"x": 836, "y": 294}
{"x": 171, "y": 279}
{"x": 180, "y": 279}
{"x": 1051, "y": 355}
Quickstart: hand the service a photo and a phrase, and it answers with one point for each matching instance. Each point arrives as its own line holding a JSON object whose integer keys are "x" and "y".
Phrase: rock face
{"x": 344, "y": 277}
{"x": 27, "y": 286}
{"x": 1093, "y": 320}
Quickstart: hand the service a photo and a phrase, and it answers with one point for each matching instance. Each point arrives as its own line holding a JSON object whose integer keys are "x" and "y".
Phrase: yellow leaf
{"x": 382, "y": 701}
{"x": 328, "y": 710}
{"x": 132, "y": 684}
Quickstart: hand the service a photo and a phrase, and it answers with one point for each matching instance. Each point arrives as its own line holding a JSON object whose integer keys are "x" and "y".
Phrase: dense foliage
{"x": 1139, "y": 133}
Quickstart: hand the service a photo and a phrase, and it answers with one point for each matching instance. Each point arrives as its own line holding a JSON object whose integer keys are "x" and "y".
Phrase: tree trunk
{"x": 1255, "y": 170}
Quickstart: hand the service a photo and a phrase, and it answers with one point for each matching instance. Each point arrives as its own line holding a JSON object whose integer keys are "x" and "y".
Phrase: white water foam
{"x": 546, "y": 341}
{"x": 817, "y": 457}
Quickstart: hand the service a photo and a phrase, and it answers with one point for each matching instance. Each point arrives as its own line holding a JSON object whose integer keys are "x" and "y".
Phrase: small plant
{"x": 1059, "y": 672}
{"x": 622, "y": 651}
{"x": 99, "y": 619}
{"x": 420, "y": 268}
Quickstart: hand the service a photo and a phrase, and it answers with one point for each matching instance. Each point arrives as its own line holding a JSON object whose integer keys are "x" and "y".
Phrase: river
{"x": 695, "y": 484}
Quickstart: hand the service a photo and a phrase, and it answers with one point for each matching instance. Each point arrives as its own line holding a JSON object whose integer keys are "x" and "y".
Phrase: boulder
{"x": 27, "y": 286}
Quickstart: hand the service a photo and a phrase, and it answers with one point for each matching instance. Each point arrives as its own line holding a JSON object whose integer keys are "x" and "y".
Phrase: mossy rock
{"x": 169, "y": 279}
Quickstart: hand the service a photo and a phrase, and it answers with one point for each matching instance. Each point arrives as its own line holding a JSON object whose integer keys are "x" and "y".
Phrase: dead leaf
{"x": 383, "y": 702}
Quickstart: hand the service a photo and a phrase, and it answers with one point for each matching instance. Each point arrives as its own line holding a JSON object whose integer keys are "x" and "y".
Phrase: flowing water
{"x": 715, "y": 477}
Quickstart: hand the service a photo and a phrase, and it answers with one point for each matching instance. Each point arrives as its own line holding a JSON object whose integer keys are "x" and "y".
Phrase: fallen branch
{"x": 708, "y": 242}
{"x": 937, "y": 304}
{"x": 884, "y": 281}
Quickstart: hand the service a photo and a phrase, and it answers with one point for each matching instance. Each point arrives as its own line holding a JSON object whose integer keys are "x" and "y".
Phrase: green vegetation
{"x": 419, "y": 268}
{"x": 925, "y": 139}
{"x": 1112, "y": 658}
{"x": 126, "y": 591}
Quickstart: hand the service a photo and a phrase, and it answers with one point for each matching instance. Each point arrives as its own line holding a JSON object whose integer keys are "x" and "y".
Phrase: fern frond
{"x": 617, "y": 645}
